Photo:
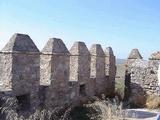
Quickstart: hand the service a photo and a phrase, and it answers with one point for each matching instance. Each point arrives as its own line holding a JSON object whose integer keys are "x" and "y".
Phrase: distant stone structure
{"x": 143, "y": 76}
{"x": 135, "y": 54}
{"x": 54, "y": 76}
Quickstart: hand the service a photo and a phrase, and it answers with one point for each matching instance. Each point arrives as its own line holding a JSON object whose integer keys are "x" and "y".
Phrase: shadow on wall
{"x": 127, "y": 89}
{"x": 134, "y": 94}
{"x": 26, "y": 86}
{"x": 137, "y": 97}
{"x": 110, "y": 89}
{"x": 21, "y": 70}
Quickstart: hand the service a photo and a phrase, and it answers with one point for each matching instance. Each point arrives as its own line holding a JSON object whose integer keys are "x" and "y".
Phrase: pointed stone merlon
{"x": 20, "y": 43}
{"x": 19, "y": 67}
{"x": 110, "y": 69}
{"x": 79, "y": 53}
{"x": 135, "y": 54}
{"x": 79, "y": 49}
{"x": 97, "y": 72}
{"x": 80, "y": 66}
{"x": 55, "y": 46}
{"x": 54, "y": 72}
{"x": 155, "y": 56}
{"x": 109, "y": 61}
{"x": 96, "y": 50}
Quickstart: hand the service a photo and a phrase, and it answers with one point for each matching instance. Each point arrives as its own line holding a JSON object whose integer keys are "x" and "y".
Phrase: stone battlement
{"x": 55, "y": 76}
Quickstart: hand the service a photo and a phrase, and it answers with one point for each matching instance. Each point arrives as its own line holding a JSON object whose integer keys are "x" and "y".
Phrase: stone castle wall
{"x": 55, "y": 76}
{"x": 143, "y": 79}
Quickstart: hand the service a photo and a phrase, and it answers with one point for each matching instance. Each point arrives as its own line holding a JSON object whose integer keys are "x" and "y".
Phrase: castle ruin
{"x": 55, "y": 76}
{"x": 143, "y": 76}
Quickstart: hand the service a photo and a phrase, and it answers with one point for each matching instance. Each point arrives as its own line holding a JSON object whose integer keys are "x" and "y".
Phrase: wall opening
{"x": 23, "y": 102}
{"x": 82, "y": 90}
{"x": 152, "y": 72}
{"x": 42, "y": 95}
{"x": 127, "y": 89}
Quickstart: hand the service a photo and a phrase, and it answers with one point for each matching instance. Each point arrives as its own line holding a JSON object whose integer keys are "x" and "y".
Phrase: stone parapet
{"x": 55, "y": 76}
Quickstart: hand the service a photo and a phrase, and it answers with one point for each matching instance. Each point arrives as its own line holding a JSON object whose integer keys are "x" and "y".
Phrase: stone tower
{"x": 80, "y": 68}
{"x": 19, "y": 70}
{"x": 54, "y": 71}
{"x": 98, "y": 68}
{"x": 110, "y": 70}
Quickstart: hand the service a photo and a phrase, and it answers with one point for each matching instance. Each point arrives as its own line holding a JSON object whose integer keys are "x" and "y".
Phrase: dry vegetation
{"x": 153, "y": 102}
{"x": 119, "y": 88}
{"x": 108, "y": 110}
{"x": 96, "y": 109}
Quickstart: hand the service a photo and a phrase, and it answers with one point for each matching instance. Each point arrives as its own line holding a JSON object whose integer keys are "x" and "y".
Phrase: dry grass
{"x": 153, "y": 102}
{"x": 9, "y": 112}
{"x": 101, "y": 109}
{"x": 119, "y": 88}
{"x": 107, "y": 110}
{"x": 96, "y": 109}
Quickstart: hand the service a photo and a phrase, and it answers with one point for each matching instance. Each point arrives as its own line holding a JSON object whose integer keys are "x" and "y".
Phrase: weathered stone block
{"x": 98, "y": 68}
{"x": 80, "y": 68}
{"x": 20, "y": 67}
{"x": 110, "y": 70}
{"x": 55, "y": 73}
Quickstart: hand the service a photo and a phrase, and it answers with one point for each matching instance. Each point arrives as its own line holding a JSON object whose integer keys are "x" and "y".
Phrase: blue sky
{"x": 121, "y": 24}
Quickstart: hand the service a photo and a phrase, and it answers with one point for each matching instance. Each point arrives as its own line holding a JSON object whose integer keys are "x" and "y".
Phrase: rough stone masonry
{"x": 54, "y": 73}
{"x": 55, "y": 76}
{"x": 143, "y": 76}
{"x": 20, "y": 68}
{"x": 97, "y": 73}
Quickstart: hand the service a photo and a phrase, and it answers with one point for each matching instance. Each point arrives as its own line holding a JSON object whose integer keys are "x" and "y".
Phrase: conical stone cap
{"x": 55, "y": 45}
{"x": 20, "y": 43}
{"x": 109, "y": 51}
{"x": 79, "y": 48}
{"x": 97, "y": 50}
{"x": 135, "y": 54}
{"x": 155, "y": 56}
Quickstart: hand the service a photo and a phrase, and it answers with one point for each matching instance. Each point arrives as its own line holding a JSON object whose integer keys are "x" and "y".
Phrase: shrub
{"x": 96, "y": 109}
{"x": 100, "y": 110}
{"x": 153, "y": 102}
{"x": 119, "y": 88}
